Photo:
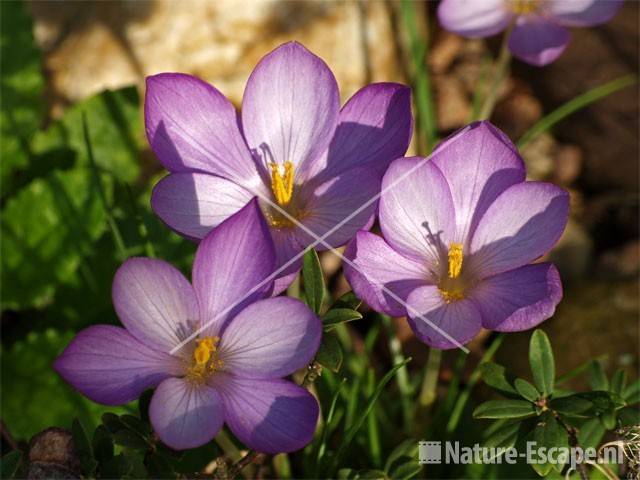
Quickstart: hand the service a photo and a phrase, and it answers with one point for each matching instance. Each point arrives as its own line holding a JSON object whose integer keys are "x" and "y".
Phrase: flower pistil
{"x": 205, "y": 359}
{"x": 282, "y": 182}
{"x": 455, "y": 259}
{"x": 524, "y": 7}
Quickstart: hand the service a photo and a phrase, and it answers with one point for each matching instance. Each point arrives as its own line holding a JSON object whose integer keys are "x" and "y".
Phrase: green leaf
{"x": 597, "y": 378}
{"x": 587, "y": 404}
{"x": 574, "y": 105}
{"x": 526, "y": 390}
{"x": 83, "y": 448}
{"x": 548, "y": 434}
{"x": 347, "y": 300}
{"x": 542, "y": 362}
{"x": 618, "y": 382}
{"x": 330, "y": 353}
{"x": 494, "y": 376}
{"x": 504, "y": 409}
{"x": 313, "y": 280}
{"x": 631, "y": 394}
{"x": 628, "y": 417}
{"x": 21, "y": 90}
{"x": 135, "y": 424}
{"x": 608, "y": 420}
{"x": 406, "y": 470}
{"x": 27, "y": 378}
{"x": 504, "y": 437}
{"x": 130, "y": 439}
{"x": 336, "y": 316}
{"x": 102, "y": 444}
{"x": 590, "y": 433}
{"x": 10, "y": 463}
{"x": 406, "y": 450}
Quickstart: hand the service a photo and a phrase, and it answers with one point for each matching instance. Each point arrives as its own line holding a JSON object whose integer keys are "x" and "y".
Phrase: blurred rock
{"x": 452, "y": 103}
{"x": 112, "y": 44}
{"x": 445, "y": 50}
{"x": 538, "y": 156}
{"x": 623, "y": 262}
{"x": 568, "y": 164}
{"x": 52, "y": 455}
{"x": 518, "y": 110}
{"x": 572, "y": 254}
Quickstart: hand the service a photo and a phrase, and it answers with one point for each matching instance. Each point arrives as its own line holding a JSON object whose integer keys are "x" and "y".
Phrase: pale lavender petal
{"x": 193, "y": 203}
{"x": 269, "y": 416}
{"x": 155, "y": 302}
{"x": 232, "y": 266}
{"x": 375, "y": 269}
{"x": 440, "y": 324}
{"x": 340, "y": 207}
{"x": 185, "y": 414}
{"x": 518, "y": 299}
{"x": 374, "y": 129}
{"x": 582, "y": 13}
{"x": 538, "y": 41}
{"x": 479, "y": 163}
{"x": 280, "y": 284}
{"x": 520, "y": 226}
{"x": 289, "y": 247}
{"x": 271, "y": 338}
{"x": 108, "y": 365}
{"x": 191, "y": 126}
{"x": 416, "y": 214}
{"x": 474, "y": 18}
{"x": 290, "y": 107}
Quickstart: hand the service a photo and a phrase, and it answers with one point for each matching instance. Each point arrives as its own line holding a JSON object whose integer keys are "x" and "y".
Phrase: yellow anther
{"x": 524, "y": 7}
{"x": 206, "y": 346}
{"x": 282, "y": 182}
{"x": 451, "y": 295}
{"x": 455, "y": 259}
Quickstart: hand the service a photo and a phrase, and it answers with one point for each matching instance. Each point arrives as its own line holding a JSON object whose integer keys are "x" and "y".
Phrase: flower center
{"x": 282, "y": 182}
{"x": 452, "y": 287}
{"x": 205, "y": 359}
{"x": 524, "y": 7}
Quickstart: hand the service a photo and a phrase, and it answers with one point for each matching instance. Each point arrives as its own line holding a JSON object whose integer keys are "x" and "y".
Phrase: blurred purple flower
{"x": 539, "y": 33}
{"x": 291, "y": 144}
{"x": 231, "y": 372}
{"x": 459, "y": 234}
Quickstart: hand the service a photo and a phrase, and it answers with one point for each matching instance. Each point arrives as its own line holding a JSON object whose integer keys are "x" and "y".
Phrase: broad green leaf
{"x": 587, "y": 404}
{"x": 548, "y": 434}
{"x": 618, "y": 382}
{"x": 130, "y": 439}
{"x": 494, "y": 376}
{"x": 347, "y": 300}
{"x": 21, "y": 90}
{"x": 542, "y": 362}
{"x": 330, "y": 353}
{"x": 336, "y": 316}
{"x": 631, "y": 394}
{"x": 629, "y": 416}
{"x": 608, "y": 419}
{"x": 83, "y": 449}
{"x": 28, "y": 379}
{"x": 590, "y": 433}
{"x": 10, "y": 463}
{"x": 526, "y": 390}
{"x": 313, "y": 280}
{"x": 102, "y": 444}
{"x": 504, "y": 437}
{"x": 504, "y": 409}
{"x": 47, "y": 229}
{"x": 597, "y": 378}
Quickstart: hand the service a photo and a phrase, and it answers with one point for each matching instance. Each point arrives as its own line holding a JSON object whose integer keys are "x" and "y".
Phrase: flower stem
{"x": 430, "y": 381}
{"x": 237, "y": 467}
{"x": 500, "y": 72}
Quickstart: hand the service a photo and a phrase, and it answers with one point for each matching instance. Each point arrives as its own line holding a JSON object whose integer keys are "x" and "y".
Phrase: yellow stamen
{"x": 524, "y": 7}
{"x": 282, "y": 182}
{"x": 451, "y": 295}
{"x": 455, "y": 259}
{"x": 205, "y": 360}
{"x": 206, "y": 346}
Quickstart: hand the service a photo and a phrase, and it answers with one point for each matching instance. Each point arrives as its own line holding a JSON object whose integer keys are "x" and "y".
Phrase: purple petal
{"x": 280, "y": 284}
{"x": 474, "y": 18}
{"x": 519, "y": 299}
{"x": 440, "y": 324}
{"x": 417, "y": 216}
{"x": 185, "y": 415}
{"x": 538, "y": 41}
{"x": 108, "y": 365}
{"x": 289, "y": 245}
{"x": 192, "y": 126}
{"x": 269, "y": 416}
{"x": 155, "y": 302}
{"x": 520, "y": 226}
{"x": 479, "y": 163}
{"x": 375, "y": 269}
{"x": 271, "y": 338}
{"x": 340, "y": 207}
{"x": 232, "y": 267}
{"x": 374, "y": 129}
{"x": 193, "y": 203}
{"x": 582, "y": 13}
{"x": 290, "y": 107}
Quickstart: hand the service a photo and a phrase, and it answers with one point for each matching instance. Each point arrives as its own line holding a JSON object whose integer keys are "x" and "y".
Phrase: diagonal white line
{"x": 321, "y": 240}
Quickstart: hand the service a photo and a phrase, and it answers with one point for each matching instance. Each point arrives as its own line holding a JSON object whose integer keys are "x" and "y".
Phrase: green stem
{"x": 576, "y": 104}
{"x": 430, "y": 381}
{"x": 500, "y": 72}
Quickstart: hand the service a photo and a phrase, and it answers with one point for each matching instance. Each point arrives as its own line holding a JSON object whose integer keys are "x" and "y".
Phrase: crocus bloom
{"x": 231, "y": 371}
{"x": 460, "y": 230}
{"x": 291, "y": 145}
{"x": 539, "y": 34}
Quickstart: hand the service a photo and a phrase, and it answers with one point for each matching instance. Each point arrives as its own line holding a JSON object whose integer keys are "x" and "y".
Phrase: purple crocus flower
{"x": 291, "y": 146}
{"x": 460, "y": 230}
{"x": 539, "y": 34}
{"x": 231, "y": 371}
